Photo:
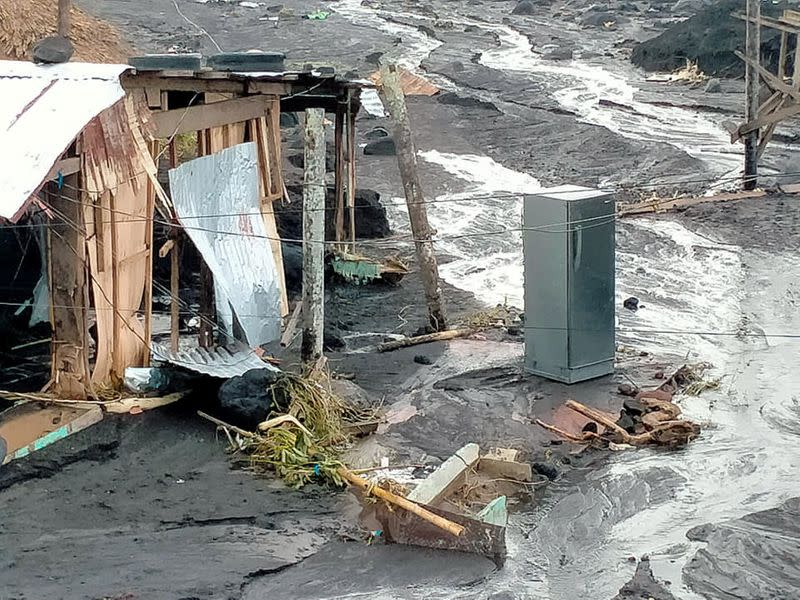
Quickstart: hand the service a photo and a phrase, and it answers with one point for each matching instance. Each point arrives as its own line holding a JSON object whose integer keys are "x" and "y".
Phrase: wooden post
{"x": 339, "y": 172}
{"x": 351, "y": 170}
{"x": 313, "y": 236}
{"x": 417, "y": 213}
{"x": 68, "y": 293}
{"x": 64, "y": 7}
{"x": 207, "y": 309}
{"x": 174, "y": 292}
{"x": 753, "y": 51}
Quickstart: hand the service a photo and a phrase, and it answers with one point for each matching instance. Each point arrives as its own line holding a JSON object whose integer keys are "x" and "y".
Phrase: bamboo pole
{"x": 440, "y": 522}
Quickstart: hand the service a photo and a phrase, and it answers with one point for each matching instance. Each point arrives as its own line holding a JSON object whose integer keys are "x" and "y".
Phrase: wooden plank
{"x": 665, "y": 204}
{"x": 169, "y": 123}
{"x": 769, "y": 22}
{"x": 782, "y": 56}
{"x": 116, "y": 358}
{"x": 67, "y": 268}
{"x": 66, "y": 166}
{"x": 351, "y": 172}
{"x": 291, "y": 326}
{"x": 339, "y": 172}
{"x": 90, "y": 417}
{"x": 148, "y": 278}
{"x": 771, "y": 80}
{"x": 133, "y": 81}
{"x": 174, "y": 290}
{"x": 773, "y": 117}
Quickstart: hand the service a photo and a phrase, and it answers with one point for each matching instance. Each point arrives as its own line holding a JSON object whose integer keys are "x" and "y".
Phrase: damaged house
{"x": 82, "y": 146}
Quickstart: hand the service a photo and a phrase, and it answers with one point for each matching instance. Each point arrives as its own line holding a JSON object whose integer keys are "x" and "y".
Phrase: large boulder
{"x": 524, "y": 7}
{"x": 381, "y": 147}
{"x": 246, "y": 401}
{"x": 371, "y": 219}
{"x": 53, "y": 50}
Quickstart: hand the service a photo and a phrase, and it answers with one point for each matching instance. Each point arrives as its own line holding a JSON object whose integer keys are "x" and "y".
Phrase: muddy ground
{"x": 152, "y": 499}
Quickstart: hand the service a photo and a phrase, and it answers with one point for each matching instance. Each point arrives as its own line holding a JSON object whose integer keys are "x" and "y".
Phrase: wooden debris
{"x": 423, "y": 513}
{"x": 439, "y": 336}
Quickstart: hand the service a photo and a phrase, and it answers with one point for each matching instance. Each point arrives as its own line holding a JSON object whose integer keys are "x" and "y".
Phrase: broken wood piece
{"x": 599, "y": 417}
{"x": 127, "y": 405}
{"x": 291, "y": 325}
{"x": 275, "y": 422}
{"x": 166, "y": 248}
{"x": 587, "y": 435}
{"x": 371, "y": 489}
{"x": 439, "y": 336}
{"x": 450, "y": 476}
{"x": 224, "y": 425}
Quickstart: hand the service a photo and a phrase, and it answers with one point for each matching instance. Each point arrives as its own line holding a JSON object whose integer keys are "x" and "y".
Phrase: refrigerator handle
{"x": 577, "y": 247}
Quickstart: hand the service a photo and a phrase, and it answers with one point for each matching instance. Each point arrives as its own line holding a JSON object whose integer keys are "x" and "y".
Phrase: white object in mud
{"x": 449, "y": 476}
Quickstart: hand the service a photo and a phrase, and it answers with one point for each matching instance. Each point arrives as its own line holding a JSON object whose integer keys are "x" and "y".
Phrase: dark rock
{"x": 631, "y": 303}
{"x": 289, "y": 119}
{"x": 53, "y": 50}
{"x": 429, "y": 31}
{"x": 548, "y": 471}
{"x": 658, "y": 375}
{"x": 633, "y": 407}
{"x": 374, "y": 58}
{"x": 381, "y": 147}
{"x": 452, "y": 98}
{"x": 558, "y": 54}
{"x": 626, "y": 389}
{"x": 332, "y": 341}
{"x": 371, "y": 220}
{"x": 524, "y": 7}
{"x": 421, "y": 359}
{"x": 626, "y": 422}
{"x": 643, "y": 585}
{"x": 246, "y": 401}
{"x": 376, "y": 133}
{"x": 299, "y": 161}
{"x": 590, "y": 427}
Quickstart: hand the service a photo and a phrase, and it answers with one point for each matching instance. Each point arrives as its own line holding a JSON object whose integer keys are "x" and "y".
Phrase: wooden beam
{"x": 769, "y": 22}
{"x": 770, "y": 79}
{"x": 64, "y": 8}
{"x": 351, "y": 172}
{"x": 753, "y": 69}
{"x": 773, "y": 117}
{"x": 206, "y": 116}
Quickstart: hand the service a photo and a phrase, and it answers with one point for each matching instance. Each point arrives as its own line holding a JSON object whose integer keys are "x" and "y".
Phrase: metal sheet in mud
{"x": 217, "y": 201}
{"x": 403, "y": 527}
{"x": 223, "y": 362}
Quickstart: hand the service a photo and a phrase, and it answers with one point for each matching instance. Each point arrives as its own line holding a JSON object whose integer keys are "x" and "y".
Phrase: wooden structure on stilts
{"x": 783, "y": 101}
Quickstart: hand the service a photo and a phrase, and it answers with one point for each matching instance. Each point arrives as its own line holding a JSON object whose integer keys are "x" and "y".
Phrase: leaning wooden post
{"x": 64, "y": 6}
{"x": 753, "y": 50}
{"x": 407, "y": 161}
{"x": 313, "y": 236}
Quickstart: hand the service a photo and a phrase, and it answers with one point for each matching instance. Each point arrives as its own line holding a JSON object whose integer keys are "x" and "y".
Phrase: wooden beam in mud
{"x": 667, "y": 204}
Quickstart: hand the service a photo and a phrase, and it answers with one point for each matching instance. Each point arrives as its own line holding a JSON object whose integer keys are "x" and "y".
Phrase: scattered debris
{"x": 361, "y": 270}
{"x": 631, "y": 303}
{"x": 318, "y": 15}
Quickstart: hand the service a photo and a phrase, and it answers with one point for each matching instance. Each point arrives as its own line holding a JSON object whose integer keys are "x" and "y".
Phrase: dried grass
{"x": 25, "y": 22}
{"x": 690, "y": 73}
{"x": 295, "y": 456}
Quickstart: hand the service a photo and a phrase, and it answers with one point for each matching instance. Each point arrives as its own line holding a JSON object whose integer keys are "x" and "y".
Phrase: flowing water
{"x": 705, "y": 299}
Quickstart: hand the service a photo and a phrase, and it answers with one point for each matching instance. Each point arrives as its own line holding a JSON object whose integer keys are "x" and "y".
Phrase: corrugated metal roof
{"x": 42, "y": 109}
{"x": 223, "y": 362}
